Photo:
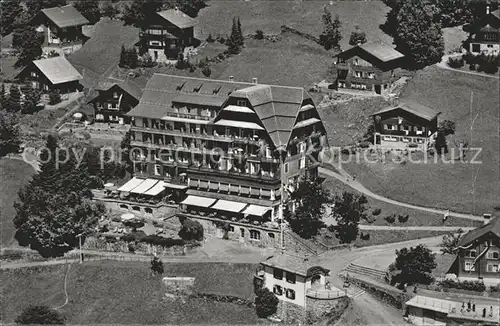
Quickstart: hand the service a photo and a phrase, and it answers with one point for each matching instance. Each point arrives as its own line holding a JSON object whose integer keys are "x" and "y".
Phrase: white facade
{"x": 486, "y": 48}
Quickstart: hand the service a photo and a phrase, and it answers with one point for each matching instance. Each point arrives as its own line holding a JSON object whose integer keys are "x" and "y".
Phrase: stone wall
{"x": 179, "y": 284}
{"x": 140, "y": 209}
{"x": 291, "y": 313}
{"x": 325, "y": 311}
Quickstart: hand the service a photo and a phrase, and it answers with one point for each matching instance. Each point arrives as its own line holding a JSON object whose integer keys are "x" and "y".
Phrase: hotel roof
{"x": 276, "y": 106}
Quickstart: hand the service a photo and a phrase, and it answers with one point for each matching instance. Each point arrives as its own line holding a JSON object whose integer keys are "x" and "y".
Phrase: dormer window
{"x": 241, "y": 102}
{"x": 179, "y": 87}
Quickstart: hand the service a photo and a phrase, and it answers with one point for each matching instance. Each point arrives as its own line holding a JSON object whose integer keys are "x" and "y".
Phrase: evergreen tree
{"x": 357, "y": 36}
{"x": 3, "y": 98}
{"x": 233, "y": 42}
{"x": 418, "y": 35}
{"x": 123, "y": 56}
{"x": 9, "y": 11}
{"x": 14, "y": 100}
{"x": 109, "y": 11}
{"x": 54, "y": 97}
{"x": 157, "y": 266}
{"x": 89, "y": 9}
{"x": 241, "y": 39}
{"x": 139, "y": 10}
{"x": 29, "y": 42}
{"x": 9, "y": 134}
{"x": 132, "y": 57}
{"x": 331, "y": 36}
{"x": 31, "y": 99}
{"x": 454, "y": 12}
{"x": 40, "y": 315}
{"x": 56, "y": 205}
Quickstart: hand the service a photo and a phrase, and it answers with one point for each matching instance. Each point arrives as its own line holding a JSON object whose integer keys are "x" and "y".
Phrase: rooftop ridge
{"x": 228, "y": 82}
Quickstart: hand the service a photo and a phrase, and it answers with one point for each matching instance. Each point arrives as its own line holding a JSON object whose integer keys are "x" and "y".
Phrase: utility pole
{"x": 79, "y": 236}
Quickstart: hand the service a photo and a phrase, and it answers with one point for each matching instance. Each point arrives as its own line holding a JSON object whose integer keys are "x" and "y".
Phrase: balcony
{"x": 243, "y": 175}
{"x": 326, "y": 294}
{"x": 187, "y": 116}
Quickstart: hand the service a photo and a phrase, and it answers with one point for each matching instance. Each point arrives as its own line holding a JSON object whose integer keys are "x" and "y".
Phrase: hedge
{"x": 465, "y": 285}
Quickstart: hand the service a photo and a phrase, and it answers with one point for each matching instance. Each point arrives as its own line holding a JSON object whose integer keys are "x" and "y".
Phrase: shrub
{"x": 259, "y": 35}
{"x": 136, "y": 224}
{"x": 370, "y": 219}
{"x": 191, "y": 230}
{"x": 472, "y": 66}
{"x": 376, "y": 212}
{"x": 54, "y": 97}
{"x": 465, "y": 285}
{"x": 495, "y": 288}
{"x": 266, "y": 303}
{"x": 86, "y": 135}
{"x": 365, "y": 144}
{"x": 157, "y": 266}
{"x": 365, "y": 236}
{"x": 455, "y": 62}
{"x": 161, "y": 241}
{"x": 39, "y": 315}
{"x": 134, "y": 236}
{"x": 412, "y": 145}
{"x": 403, "y": 218}
{"x": 206, "y": 71}
{"x": 390, "y": 219}
{"x": 210, "y": 39}
{"x": 222, "y": 40}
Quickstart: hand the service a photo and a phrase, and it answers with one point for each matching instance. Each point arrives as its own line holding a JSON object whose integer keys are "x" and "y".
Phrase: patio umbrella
{"x": 127, "y": 217}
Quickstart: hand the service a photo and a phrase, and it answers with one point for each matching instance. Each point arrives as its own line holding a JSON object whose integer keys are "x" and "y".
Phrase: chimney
{"x": 486, "y": 218}
{"x": 231, "y": 78}
{"x": 254, "y": 80}
{"x": 487, "y": 10}
{"x": 176, "y": 9}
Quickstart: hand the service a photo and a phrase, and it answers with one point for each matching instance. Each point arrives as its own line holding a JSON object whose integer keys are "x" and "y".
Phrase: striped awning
{"x": 265, "y": 193}
{"x": 229, "y": 206}
{"x": 306, "y": 107}
{"x": 193, "y": 183}
{"x": 239, "y": 109}
{"x": 256, "y": 210}
{"x": 233, "y": 188}
{"x": 157, "y": 188}
{"x": 174, "y": 186}
{"x": 239, "y": 124}
{"x": 144, "y": 186}
{"x": 198, "y": 201}
{"x": 131, "y": 184}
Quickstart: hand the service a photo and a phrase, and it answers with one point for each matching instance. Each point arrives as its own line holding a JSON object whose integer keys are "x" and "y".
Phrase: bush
{"x": 206, "y": 71}
{"x": 136, "y": 224}
{"x": 465, "y": 285}
{"x": 161, "y": 241}
{"x": 365, "y": 237}
{"x": 222, "y": 40}
{"x": 390, "y": 219}
{"x": 191, "y": 230}
{"x": 365, "y": 144}
{"x": 495, "y": 289}
{"x": 266, "y": 303}
{"x": 455, "y": 62}
{"x": 472, "y": 66}
{"x": 39, "y": 315}
{"x": 259, "y": 35}
{"x": 210, "y": 39}
{"x": 370, "y": 219}
{"x": 403, "y": 218}
{"x": 412, "y": 145}
{"x": 376, "y": 212}
{"x": 134, "y": 236}
{"x": 54, "y": 97}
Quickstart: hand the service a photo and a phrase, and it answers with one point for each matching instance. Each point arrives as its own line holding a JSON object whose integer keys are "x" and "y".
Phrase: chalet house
{"x": 292, "y": 279}
{"x": 114, "y": 101}
{"x": 478, "y": 256}
{"x": 166, "y": 34}
{"x": 61, "y": 28}
{"x": 52, "y": 74}
{"x": 368, "y": 67}
{"x": 405, "y": 126}
{"x": 485, "y": 34}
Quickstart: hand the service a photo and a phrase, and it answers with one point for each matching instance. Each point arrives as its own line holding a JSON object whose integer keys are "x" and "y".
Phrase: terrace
{"x": 325, "y": 292}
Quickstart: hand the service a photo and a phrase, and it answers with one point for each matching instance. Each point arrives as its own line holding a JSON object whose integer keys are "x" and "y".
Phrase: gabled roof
{"x": 379, "y": 50}
{"x": 493, "y": 226}
{"x": 276, "y": 106}
{"x": 128, "y": 86}
{"x": 57, "y": 70}
{"x": 178, "y": 18}
{"x": 496, "y": 13}
{"x": 419, "y": 110}
{"x": 64, "y": 16}
{"x": 303, "y": 266}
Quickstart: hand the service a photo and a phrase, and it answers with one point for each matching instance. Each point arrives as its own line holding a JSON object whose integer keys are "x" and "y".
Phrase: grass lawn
{"x": 13, "y": 175}
{"x": 445, "y": 185}
{"x": 126, "y": 293}
{"x": 305, "y": 16}
{"x": 416, "y": 217}
{"x": 102, "y": 50}
{"x": 453, "y": 38}
{"x": 8, "y": 71}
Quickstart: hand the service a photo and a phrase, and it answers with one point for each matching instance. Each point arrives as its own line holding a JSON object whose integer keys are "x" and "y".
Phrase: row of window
{"x": 279, "y": 291}
{"x": 147, "y": 210}
{"x": 389, "y": 126}
{"x": 489, "y": 255}
{"x": 404, "y": 139}
{"x": 362, "y": 74}
{"x": 278, "y": 274}
{"x": 491, "y": 268}
{"x": 302, "y": 164}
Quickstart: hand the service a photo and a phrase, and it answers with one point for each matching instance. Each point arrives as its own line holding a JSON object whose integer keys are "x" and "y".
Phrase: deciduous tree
{"x": 9, "y": 12}
{"x": 31, "y": 99}
{"x": 89, "y": 9}
{"x": 14, "y": 99}
{"x": 418, "y": 34}
{"x": 451, "y": 241}
{"x": 415, "y": 264}
{"x": 29, "y": 42}
{"x": 447, "y": 127}
{"x": 191, "y": 230}
{"x": 39, "y": 315}
{"x": 310, "y": 200}
{"x": 453, "y": 12}
{"x": 348, "y": 210}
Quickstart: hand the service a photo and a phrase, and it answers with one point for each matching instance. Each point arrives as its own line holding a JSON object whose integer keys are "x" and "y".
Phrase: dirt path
{"x": 413, "y": 228}
{"x": 344, "y": 177}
